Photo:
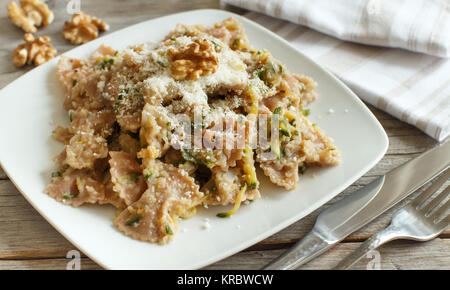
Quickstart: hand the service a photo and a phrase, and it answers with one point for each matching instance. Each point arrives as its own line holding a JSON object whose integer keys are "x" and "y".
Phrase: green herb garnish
{"x": 306, "y": 112}
{"x": 133, "y": 220}
{"x": 160, "y": 63}
{"x": 216, "y": 46}
{"x": 133, "y": 134}
{"x": 124, "y": 92}
{"x": 56, "y": 174}
{"x": 272, "y": 66}
{"x": 188, "y": 157}
{"x": 178, "y": 162}
{"x": 285, "y": 132}
{"x": 222, "y": 215}
{"x": 168, "y": 230}
{"x": 117, "y": 103}
{"x": 302, "y": 169}
{"x": 74, "y": 83}
{"x": 262, "y": 73}
{"x": 236, "y": 43}
{"x": 148, "y": 175}
{"x": 209, "y": 163}
{"x": 106, "y": 63}
{"x": 133, "y": 177}
{"x": 69, "y": 196}
{"x": 263, "y": 90}
{"x": 277, "y": 111}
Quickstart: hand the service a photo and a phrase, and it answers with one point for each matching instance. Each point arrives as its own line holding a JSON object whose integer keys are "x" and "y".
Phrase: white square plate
{"x": 31, "y": 107}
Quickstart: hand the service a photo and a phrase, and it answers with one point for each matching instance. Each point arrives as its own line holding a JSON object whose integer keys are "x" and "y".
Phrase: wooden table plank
{"x": 405, "y": 255}
{"x": 396, "y": 255}
{"x": 45, "y": 264}
{"x": 27, "y": 241}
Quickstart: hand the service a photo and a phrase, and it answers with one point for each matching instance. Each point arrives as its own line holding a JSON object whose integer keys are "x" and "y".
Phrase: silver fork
{"x": 422, "y": 219}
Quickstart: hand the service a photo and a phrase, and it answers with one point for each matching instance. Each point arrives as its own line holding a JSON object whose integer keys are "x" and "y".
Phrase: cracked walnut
{"x": 30, "y": 15}
{"x": 83, "y": 28}
{"x": 194, "y": 60}
{"x": 34, "y": 50}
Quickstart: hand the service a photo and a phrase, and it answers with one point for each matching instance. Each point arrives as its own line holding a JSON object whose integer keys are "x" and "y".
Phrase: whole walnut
{"x": 34, "y": 50}
{"x": 30, "y": 15}
{"x": 83, "y": 28}
{"x": 193, "y": 60}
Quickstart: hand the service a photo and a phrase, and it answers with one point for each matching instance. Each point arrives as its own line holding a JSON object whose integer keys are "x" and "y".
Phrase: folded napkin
{"x": 414, "y": 87}
{"x": 416, "y": 25}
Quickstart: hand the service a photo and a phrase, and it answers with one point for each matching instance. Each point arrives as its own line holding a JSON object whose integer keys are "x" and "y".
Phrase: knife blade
{"x": 362, "y": 206}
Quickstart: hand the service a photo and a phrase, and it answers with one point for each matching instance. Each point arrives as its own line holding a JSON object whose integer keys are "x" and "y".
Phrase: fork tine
{"x": 436, "y": 201}
{"x": 432, "y": 189}
{"x": 437, "y": 213}
{"x": 444, "y": 223}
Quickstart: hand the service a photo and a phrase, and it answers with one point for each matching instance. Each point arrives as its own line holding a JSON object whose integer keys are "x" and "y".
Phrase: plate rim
{"x": 257, "y": 238}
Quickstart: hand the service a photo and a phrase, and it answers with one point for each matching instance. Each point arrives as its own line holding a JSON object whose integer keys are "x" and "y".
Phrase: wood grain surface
{"x": 27, "y": 241}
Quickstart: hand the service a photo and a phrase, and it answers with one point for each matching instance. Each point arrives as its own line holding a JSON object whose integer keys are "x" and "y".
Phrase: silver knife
{"x": 362, "y": 206}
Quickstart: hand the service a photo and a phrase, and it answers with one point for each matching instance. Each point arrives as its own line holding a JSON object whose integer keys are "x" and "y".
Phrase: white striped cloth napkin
{"x": 414, "y": 87}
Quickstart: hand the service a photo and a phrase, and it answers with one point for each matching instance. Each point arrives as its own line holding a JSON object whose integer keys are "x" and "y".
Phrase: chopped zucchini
{"x": 248, "y": 167}
{"x": 237, "y": 203}
{"x": 69, "y": 196}
{"x": 188, "y": 157}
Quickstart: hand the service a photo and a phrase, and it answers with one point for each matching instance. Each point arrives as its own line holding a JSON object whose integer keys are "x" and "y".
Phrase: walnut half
{"x": 34, "y": 50}
{"x": 83, "y": 28}
{"x": 30, "y": 14}
{"x": 193, "y": 60}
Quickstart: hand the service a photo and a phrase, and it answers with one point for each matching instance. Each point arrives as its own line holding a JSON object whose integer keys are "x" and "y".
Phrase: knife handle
{"x": 303, "y": 251}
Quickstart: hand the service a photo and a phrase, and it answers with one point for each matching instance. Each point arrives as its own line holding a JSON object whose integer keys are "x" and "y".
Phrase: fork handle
{"x": 303, "y": 251}
{"x": 388, "y": 234}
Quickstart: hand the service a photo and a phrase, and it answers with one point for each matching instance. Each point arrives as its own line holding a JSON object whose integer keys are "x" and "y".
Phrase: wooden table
{"x": 27, "y": 241}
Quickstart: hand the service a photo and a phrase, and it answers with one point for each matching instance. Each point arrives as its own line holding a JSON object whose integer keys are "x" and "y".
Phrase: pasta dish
{"x": 157, "y": 130}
